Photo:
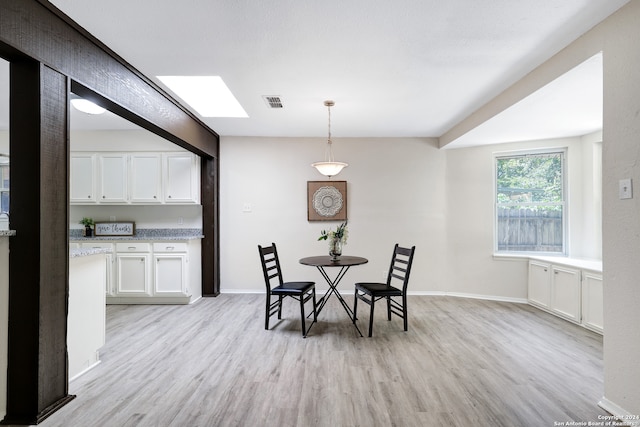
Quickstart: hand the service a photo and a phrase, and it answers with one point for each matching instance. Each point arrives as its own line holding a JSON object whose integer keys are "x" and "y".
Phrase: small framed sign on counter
{"x": 126, "y": 228}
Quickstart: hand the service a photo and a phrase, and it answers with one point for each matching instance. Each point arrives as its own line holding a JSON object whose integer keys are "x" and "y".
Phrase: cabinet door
{"x": 133, "y": 274}
{"x": 170, "y": 275}
{"x": 539, "y": 283}
{"x": 180, "y": 178}
{"x": 593, "y": 302}
{"x": 145, "y": 178}
{"x": 113, "y": 178}
{"x": 82, "y": 181}
{"x": 565, "y": 297}
{"x": 110, "y": 273}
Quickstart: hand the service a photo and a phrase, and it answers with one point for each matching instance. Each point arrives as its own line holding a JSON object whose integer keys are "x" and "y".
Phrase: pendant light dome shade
{"x": 329, "y": 167}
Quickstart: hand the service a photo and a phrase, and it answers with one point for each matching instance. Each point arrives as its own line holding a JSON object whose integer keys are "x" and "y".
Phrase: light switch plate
{"x": 625, "y": 189}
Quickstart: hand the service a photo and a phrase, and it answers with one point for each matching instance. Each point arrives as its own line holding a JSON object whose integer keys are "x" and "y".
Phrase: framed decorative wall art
{"x": 327, "y": 200}
{"x": 127, "y": 228}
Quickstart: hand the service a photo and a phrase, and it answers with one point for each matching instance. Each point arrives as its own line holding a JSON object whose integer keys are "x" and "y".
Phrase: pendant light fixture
{"x": 329, "y": 167}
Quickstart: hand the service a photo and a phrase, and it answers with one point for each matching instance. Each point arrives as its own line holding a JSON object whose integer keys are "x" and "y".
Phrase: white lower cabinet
{"x": 170, "y": 275}
{"x": 568, "y": 292}
{"x": 150, "y": 272}
{"x": 539, "y": 284}
{"x": 133, "y": 269}
{"x": 565, "y": 292}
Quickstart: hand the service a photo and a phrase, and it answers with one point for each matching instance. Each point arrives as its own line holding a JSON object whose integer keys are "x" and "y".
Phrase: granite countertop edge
{"x": 149, "y": 234}
{"x": 83, "y": 252}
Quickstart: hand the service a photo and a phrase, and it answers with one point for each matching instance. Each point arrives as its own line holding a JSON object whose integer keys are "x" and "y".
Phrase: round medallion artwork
{"x": 327, "y": 201}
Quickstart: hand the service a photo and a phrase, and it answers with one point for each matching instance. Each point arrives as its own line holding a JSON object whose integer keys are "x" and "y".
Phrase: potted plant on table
{"x": 336, "y": 239}
{"x": 88, "y": 223}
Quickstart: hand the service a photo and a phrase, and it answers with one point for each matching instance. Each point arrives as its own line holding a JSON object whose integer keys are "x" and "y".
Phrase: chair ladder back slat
{"x": 270, "y": 265}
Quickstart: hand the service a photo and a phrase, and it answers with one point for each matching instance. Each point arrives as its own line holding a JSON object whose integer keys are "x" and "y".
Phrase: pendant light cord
{"x": 329, "y": 142}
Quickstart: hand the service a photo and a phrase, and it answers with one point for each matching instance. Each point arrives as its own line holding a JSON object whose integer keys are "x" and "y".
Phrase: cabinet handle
{"x": 545, "y": 270}
{"x": 154, "y": 197}
{"x": 169, "y": 196}
{"x": 89, "y": 196}
{"x": 169, "y": 248}
{"x": 104, "y": 197}
{"x": 131, "y": 248}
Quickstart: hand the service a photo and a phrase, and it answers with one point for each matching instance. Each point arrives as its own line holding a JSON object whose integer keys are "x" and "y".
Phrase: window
{"x": 530, "y": 202}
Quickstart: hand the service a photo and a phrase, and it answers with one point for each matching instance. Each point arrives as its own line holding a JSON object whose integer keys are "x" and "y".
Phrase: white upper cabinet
{"x": 113, "y": 178}
{"x": 180, "y": 184}
{"x": 135, "y": 178}
{"x": 83, "y": 171}
{"x": 145, "y": 178}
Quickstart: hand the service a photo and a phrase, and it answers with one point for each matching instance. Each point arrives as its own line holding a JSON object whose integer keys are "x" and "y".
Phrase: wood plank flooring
{"x": 463, "y": 362}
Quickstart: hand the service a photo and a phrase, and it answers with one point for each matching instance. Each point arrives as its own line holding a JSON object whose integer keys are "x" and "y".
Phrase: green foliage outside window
{"x": 535, "y": 178}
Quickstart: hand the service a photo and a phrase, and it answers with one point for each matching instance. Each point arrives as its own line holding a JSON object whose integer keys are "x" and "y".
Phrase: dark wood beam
{"x": 49, "y": 56}
{"x": 37, "y": 382}
{"x": 41, "y": 31}
{"x": 209, "y": 185}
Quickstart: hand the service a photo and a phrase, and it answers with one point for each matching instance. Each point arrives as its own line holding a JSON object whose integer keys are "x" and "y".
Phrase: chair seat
{"x": 292, "y": 288}
{"x": 378, "y": 289}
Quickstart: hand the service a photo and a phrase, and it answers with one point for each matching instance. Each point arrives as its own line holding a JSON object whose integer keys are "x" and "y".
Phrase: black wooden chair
{"x": 301, "y": 291}
{"x": 398, "y": 274}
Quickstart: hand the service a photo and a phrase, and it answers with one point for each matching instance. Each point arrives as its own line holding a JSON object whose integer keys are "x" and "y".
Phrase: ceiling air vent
{"x": 273, "y": 101}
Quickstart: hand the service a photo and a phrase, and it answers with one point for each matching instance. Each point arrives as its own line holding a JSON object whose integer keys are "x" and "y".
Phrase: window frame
{"x": 563, "y": 151}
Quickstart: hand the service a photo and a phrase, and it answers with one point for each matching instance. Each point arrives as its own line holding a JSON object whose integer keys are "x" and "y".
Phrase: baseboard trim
{"x": 621, "y": 415}
{"x": 486, "y": 297}
{"x": 84, "y": 371}
{"x": 415, "y": 293}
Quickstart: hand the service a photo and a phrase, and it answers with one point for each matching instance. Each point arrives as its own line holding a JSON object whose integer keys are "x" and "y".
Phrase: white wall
{"x": 395, "y": 193}
{"x": 621, "y": 225}
{"x": 471, "y": 267}
{"x": 399, "y": 190}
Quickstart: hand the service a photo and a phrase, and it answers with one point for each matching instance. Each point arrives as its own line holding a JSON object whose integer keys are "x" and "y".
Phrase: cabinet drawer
{"x": 98, "y": 245}
{"x": 170, "y": 247}
{"x": 133, "y": 247}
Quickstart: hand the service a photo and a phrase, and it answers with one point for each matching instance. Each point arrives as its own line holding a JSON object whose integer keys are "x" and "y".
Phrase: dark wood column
{"x": 37, "y": 381}
{"x": 209, "y": 187}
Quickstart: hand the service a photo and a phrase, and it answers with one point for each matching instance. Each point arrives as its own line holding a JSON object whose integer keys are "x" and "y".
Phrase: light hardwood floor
{"x": 463, "y": 362}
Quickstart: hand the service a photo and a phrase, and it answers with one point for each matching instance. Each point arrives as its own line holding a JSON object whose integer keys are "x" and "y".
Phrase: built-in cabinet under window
{"x": 134, "y": 178}
{"x": 572, "y": 292}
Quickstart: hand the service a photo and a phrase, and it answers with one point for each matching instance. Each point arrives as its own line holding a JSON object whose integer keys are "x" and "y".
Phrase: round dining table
{"x": 344, "y": 263}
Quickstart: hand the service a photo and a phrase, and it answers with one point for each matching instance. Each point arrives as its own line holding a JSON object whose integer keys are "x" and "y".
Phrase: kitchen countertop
{"x": 7, "y": 233}
{"x": 75, "y": 235}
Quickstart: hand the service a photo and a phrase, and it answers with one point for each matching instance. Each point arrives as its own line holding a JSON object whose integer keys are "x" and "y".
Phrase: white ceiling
{"x": 395, "y": 69}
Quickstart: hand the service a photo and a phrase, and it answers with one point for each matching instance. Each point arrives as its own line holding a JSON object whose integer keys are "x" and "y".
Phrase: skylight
{"x": 208, "y": 95}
